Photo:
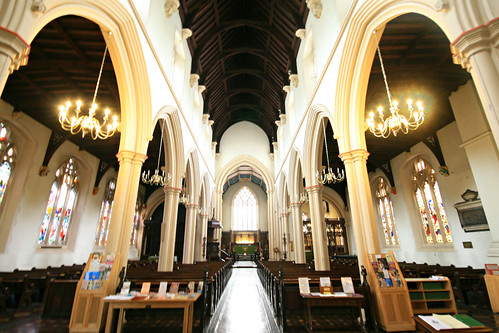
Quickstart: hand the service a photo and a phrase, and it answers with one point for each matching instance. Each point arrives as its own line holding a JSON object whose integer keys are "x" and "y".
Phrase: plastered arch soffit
{"x": 152, "y": 203}
{"x": 313, "y": 143}
{"x": 295, "y": 163}
{"x": 244, "y": 160}
{"x": 357, "y": 57}
{"x": 126, "y": 53}
{"x": 335, "y": 199}
{"x": 194, "y": 179}
{"x": 172, "y": 140}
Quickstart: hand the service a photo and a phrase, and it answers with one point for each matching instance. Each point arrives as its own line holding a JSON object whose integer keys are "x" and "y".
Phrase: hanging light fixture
{"x": 328, "y": 176}
{"x": 395, "y": 122}
{"x": 87, "y": 124}
{"x": 157, "y": 179}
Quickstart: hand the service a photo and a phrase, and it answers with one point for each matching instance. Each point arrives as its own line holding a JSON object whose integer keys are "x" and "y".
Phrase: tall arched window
{"x": 385, "y": 209}
{"x": 136, "y": 222}
{"x": 245, "y": 210}
{"x": 105, "y": 214}
{"x": 431, "y": 208}
{"x": 7, "y": 159}
{"x": 60, "y": 205}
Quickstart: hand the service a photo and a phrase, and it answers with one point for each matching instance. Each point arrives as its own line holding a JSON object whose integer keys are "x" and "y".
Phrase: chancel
{"x": 246, "y": 186}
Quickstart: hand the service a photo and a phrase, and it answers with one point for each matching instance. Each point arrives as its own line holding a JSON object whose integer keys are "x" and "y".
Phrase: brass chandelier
{"x": 328, "y": 175}
{"x": 156, "y": 179}
{"x": 395, "y": 122}
{"x": 87, "y": 124}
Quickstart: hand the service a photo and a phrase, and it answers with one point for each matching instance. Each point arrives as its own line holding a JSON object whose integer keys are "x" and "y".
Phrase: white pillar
{"x": 299, "y": 244}
{"x": 168, "y": 230}
{"x": 14, "y": 53}
{"x": 125, "y": 198}
{"x": 361, "y": 203}
{"x": 319, "y": 237}
{"x": 190, "y": 233}
{"x": 476, "y": 50}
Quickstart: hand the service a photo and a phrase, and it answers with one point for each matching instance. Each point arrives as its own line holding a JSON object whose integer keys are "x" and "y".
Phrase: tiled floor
{"x": 244, "y": 307}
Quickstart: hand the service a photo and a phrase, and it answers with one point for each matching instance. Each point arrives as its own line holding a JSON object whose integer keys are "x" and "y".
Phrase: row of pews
{"x": 51, "y": 290}
{"x": 280, "y": 281}
{"x": 468, "y": 283}
{"x": 27, "y": 290}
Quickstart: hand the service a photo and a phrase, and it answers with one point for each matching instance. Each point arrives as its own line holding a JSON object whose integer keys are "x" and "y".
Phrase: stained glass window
{"x": 435, "y": 226}
{"x": 60, "y": 205}
{"x": 7, "y": 159}
{"x": 105, "y": 214}
{"x": 245, "y": 210}
{"x": 385, "y": 209}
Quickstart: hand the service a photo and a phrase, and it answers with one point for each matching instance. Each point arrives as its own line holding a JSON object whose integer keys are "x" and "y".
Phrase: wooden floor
{"x": 243, "y": 308}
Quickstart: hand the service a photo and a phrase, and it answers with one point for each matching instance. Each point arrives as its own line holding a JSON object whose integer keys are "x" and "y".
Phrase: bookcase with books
{"x": 98, "y": 280}
{"x": 389, "y": 290}
{"x": 431, "y": 295}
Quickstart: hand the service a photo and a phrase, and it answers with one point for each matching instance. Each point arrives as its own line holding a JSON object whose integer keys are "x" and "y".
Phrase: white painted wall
{"x": 244, "y": 139}
{"x": 228, "y": 197}
{"x": 460, "y": 179}
{"x": 22, "y": 250}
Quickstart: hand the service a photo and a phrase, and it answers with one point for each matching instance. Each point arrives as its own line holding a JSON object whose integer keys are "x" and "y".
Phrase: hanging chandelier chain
{"x": 325, "y": 142}
{"x": 383, "y": 70}
{"x": 100, "y": 74}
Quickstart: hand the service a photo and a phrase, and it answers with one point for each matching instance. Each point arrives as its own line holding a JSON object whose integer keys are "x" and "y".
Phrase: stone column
{"x": 168, "y": 230}
{"x": 14, "y": 53}
{"x": 361, "y": 204}
{"x": 125, "y": 198}
{"x": 319, "y": 237}
{"x": 190, "y": 233}
{"x": 299, "y": 247}
{"x": 476, "y": 50}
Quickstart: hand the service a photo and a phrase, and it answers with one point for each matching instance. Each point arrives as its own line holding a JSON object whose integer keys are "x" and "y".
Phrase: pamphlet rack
{"x": 389, "y": 291}
{"x": 97, "y": 281}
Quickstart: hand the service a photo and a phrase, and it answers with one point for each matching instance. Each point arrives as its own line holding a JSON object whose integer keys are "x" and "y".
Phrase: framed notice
{"x": 492, "y": 269}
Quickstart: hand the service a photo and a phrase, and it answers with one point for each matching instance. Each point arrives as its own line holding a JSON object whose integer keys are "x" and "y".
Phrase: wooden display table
{"x": 353, "y": 301}
{"x": 424, "y": 327}
{"x": 431, "y": 296}
{"x": 120, "y": 304}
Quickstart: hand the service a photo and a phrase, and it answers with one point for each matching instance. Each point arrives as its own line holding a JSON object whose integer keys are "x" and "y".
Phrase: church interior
{"x": 248, "y": 145}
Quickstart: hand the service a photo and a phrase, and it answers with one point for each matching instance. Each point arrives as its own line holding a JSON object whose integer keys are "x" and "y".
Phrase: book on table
{"x": 190, "y": 287}
{"x": 347, "y": 285}
{"x": 146, "y": 286}
{"x": 304, "y": 286}
{"x": 325, "y": 285}
{"x": 174, "y": 287}
{"x": 163, "y": 287}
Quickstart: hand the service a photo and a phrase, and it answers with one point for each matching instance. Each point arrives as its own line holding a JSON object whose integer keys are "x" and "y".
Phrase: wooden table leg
{"x": 109, "y": 321}
{"x": 309, "y": 313}
{"x": 185, "y": 325}
{"x": 120, "y": 320}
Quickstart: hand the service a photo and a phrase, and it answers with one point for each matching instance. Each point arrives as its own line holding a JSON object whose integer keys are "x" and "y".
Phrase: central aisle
{"x": 244, "y": 306}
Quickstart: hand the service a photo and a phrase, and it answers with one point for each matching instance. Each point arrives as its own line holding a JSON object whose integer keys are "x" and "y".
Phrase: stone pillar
{"x": 14, "y": 53}
{"x": 482, "y": 154}
{"x": 361, "y": 203}
{"x": 299, "y": 245}
{"x": 125, "y": 198}
{"x": 319, "y": 237}
{"x": 203, "y": 238}
{"x": 168, "y": 230}
{"x": 476, "y": 50}
{"x": 190, "y": 233}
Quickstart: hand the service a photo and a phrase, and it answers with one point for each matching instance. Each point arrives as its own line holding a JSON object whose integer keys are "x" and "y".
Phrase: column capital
{"x": 14, "y": 47}
{"x": 131, "y": 157}
{"x": 314, "y": 188}
{"x": 473, "y": 41}
{"x": 172, "y": 190}
{"x": 354, "y": 155}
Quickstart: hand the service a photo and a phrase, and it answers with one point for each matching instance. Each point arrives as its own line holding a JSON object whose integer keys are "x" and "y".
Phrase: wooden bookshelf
{"x": 392, "y": 303}
{"x": 89, "y": 310}
{"x": 431, "y": 296}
